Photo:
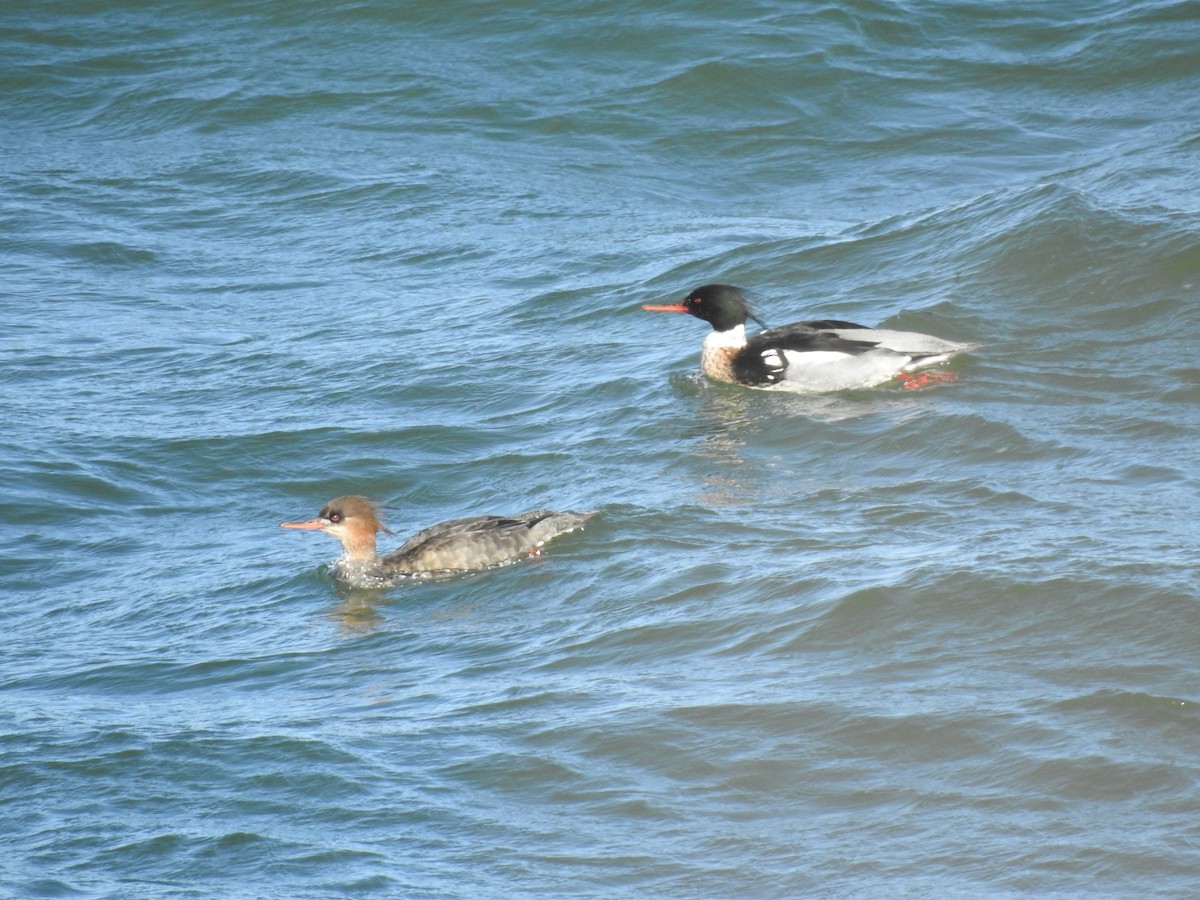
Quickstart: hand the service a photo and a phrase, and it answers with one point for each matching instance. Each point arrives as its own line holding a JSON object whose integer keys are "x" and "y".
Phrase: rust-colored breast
{"x": 717, "y": 363}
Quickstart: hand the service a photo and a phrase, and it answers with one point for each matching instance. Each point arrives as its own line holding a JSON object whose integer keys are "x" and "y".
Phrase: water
{"x": 929, "y": 643}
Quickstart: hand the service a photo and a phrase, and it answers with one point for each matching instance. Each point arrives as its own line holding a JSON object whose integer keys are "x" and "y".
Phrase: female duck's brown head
{"x": 353, "y": 520}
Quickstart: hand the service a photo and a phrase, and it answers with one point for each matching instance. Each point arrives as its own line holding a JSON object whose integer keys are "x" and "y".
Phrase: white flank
{"x": 827, "y": 370}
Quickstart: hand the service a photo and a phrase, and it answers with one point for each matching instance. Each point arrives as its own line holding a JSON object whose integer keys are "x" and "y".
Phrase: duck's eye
{"x": 335, "y": 517}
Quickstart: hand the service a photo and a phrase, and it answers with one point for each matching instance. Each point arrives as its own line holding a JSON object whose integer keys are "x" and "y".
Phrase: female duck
{"x": 460, "y": 545}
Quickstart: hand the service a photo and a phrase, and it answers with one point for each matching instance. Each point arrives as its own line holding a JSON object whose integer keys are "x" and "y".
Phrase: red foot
{"x": 535, "y": 552}
{"x": 913, "y": 381}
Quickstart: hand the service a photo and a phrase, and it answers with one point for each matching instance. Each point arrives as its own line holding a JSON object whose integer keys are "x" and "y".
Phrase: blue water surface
{"x": 937, "y": 643}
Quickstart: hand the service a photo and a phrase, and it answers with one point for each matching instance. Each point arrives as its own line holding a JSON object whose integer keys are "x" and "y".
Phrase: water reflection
{"x": 746, "y": 436}
{"x": 357, "y": 613}
{"x": 360, "y": 611}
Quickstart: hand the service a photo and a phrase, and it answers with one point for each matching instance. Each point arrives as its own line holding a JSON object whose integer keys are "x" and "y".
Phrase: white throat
{"x": 723, "y": 340}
